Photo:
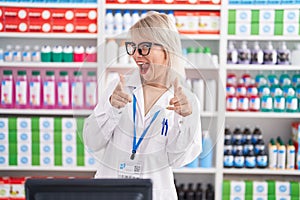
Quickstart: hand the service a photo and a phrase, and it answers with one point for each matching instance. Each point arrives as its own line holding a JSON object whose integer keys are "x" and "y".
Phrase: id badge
{"x": 130, "y": 169}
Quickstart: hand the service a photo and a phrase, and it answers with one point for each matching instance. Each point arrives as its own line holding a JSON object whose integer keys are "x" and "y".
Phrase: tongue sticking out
{"x": 144, "y": 67}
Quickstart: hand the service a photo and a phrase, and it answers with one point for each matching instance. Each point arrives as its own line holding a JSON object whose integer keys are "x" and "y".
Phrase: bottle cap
{"x": 91, "y": 73}
{"x": 49, "y": 73}
{"x": 77, "y": 73}
{"x": 35, "y": 73}
{"x": 63, "y": 73}
{"x": 7, "y": 72}
{"x": 190, "y": 50}
{"x": 21, "y": 73}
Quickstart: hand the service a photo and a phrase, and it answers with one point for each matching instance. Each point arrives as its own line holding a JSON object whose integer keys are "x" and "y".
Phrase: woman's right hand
{"x": 119, "y": 97}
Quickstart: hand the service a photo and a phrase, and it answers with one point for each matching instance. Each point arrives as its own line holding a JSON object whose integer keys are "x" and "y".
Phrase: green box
{"x": 12, "y": 123}
{"x": 255, "y": 16}
{"x": 249, "y": 187}
{"x": 13, "y": 160}
{"x": 35, "y": 160}
{"x": 225, "y": 197}
{"x": 295, "y": 187}
{"x": 248, "y": 197}
{"x": 271, "y": 197}
{"x": 35, "y": 123}
{"x": 226, "y": 187}
{"x": 278, "y": 29}
{"x": 57, "y": 124}
{"x": 279, "y": 16}
{"x": 254, "y": 28}
{"x": 271, "y": 188}
{"x": 231, "y": 29}
{"x": 231, "y": 16}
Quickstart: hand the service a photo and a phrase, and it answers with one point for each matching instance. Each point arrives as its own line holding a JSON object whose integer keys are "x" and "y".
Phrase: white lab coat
{"x": 109, "y": 133}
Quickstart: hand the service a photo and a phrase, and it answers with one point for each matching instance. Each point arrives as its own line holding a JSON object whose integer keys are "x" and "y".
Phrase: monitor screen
{"x": 91, "y": 189}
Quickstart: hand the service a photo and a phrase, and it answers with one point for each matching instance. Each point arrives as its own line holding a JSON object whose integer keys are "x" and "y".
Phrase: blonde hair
{"x": 159, "y": 28}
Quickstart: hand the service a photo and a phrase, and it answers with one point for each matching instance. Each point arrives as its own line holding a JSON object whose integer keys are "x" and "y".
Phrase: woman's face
{"x": 153, "y": 63}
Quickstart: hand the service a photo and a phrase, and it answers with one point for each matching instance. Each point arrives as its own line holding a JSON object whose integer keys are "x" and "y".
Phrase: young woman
{"x": 147, "y": 123}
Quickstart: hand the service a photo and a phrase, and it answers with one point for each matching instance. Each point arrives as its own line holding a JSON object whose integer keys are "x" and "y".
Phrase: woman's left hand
{"x": 179, "y": 103}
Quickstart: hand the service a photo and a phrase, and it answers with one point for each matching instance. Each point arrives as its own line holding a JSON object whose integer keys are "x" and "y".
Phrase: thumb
{"x": 175, "y": 83}
{"x": 122, "y": 81}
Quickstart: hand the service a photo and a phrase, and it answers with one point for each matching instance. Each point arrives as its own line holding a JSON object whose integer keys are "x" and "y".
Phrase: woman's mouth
{"x": 143, "y": 67}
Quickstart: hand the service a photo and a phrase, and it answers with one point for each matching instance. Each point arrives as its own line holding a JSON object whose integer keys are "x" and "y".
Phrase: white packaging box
{"x": 23, "y": 123}
{"x": 47, "y": 136}
{"x": 266, "y": 16}
{"x": 69, "y": 154}
{"x": 46, "y": 123}
{"x": 237, "y": 188}
{"x": 260, "y": 197}
{"x": 46, "y": 160}
{"x": 237, "y": 197}
{"x": 4, "y": 136}
{"x": 243, "y": 29}
{"x": 24, "y": 148}
{"x": 24, "y": 160}
{"x": 68, "y": 124}
{"x": 291, "y": 15}
{"x": 266, "y": 29}
{"x": 260, "y": 188}
{"x": 24, "y": 136}
{"x": 4, "y": 124}
{"x": 3, "y": 154}
{"x": 46, "y": 154}
{"x": 282, "y": 188}
{"x": 290, "y": 29}
{"x": 243, "y": 15}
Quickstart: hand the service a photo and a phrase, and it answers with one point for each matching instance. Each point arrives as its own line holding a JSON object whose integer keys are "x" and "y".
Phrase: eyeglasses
{"x": 143, "y": 48}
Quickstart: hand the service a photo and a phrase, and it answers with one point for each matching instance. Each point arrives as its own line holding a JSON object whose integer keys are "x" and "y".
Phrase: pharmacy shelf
{"x": 49, "y": 35}
{"x": 264, "y": 38}
{"x": 262, "y": 67}
{"x": 49, "y": 64}
{"x": 261, "y": 7}
{"x": 50, "y": 168}
{"x": 48, "y": 5}
{"x": 262, "y": 172}
{"x": 262, "y": 115}
{"x": 211, "y": 37}
{"x": 186, "y": 170}
{"x": 66, "y": 112}
{"x": 162, "y": 7}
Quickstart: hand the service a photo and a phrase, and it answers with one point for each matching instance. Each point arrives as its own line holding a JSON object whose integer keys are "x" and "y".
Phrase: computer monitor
{"x": 88, "y": 189}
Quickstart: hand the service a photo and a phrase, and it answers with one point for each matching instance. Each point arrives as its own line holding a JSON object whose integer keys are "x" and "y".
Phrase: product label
{"x": 281, "y": 159}
{"x": 77, "y": 94}
{"x": 250, "y": 161}
{"x": 21, "y": 92}
{"x": 272, "y": 158}
{"x": 6, "y": 93}
{"x": 63, "y": 94}
{"x": 49, "y": 93}
{"x": 228, "y": 160}
{"x": 292, "y": 104}
{"x": 262, "y": 161}
{"x": 230, "y": 90}
{"x": 290, "y": 159}
{"x": 267, "y": 103}
{"x": 90, "y": 93}
{"x": 243, "y": 104}
{"x": 239, "y": 161}
{"x": 35, "y": 93}
{"x": 231, "y": 103}
{"x": 254, "y": 103}
{"x": 241, "y": 91}
{"x": 279, "y": 103}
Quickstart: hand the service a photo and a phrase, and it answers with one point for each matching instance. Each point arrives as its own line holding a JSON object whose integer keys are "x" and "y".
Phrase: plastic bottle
{"x": 190, "y": 194}
{"x": 63, "y": 90}
{"x": 295, "y": 60}
{"x": 199, "y": 57}
{"x": 68, "y": 54}
{"x": 26, "y": 54}
{"x": 291, "y": 101}
{"x": 262, "y": 159}
{"x": 257, "y": 55}
{"x": 252, "y": 89}
{"x": 35, "y": 90}
{"x": 91, "y": 54}
{"x": 243, "y": 103}
{"x": 272, "y": 154}
{"x": 207, "y": 59}
{"x": 259, "y": 145}
{"x": 241, "y": 89}
{"x": 127, "y": 20}
{"x": 111, "y": 52}
{"x": 91, "y": 90}
{"x": 254, "y": 103}
{"x": 266, "y": 100}
{"x": 247, "y": 79}
{"x": 7, "y": 89}
{"x": 181, "y": 192}
{"x": 231, "y": 79}
{"x": 21, "y": 90}
{"x": 77, "y": 90}
{"x": 244, "y": 54}
{"x": 8, "y": 54}
{"x": 36, "y": 54}
{"x": 79, "y": 53}
{"x": 191, "y": 56}
{"x": 46, "y": 53}
{"x": 260, "y": 79}
{"x": 296, "y": 79}
{"x": 49, "y": 90}
{"x": 17, "y": 54}
{"x": 209, "y": 193}
{"x": 247, "y": 145}
{"x": 250, "y": 160}
{"x": 256, "y": 135}
{"x": 270, "y": 55}
{"x": 283, "y": 55}
{"x": 279, "y": 101}
{"x": 198, "y": 192}
{"x": 291, "y": 155}
{"x": 247, "y": 135}
{"x": 228, "y": 159}
{"x": 281, "y": 159}
{"x": 118, "y": 20}
{"x": 109, "y": 22}
{"x": 206, "y": 155}
{"x": 284, "y": 79}
{"x": 232, "y": 54}
{"x": 57, "y": 53}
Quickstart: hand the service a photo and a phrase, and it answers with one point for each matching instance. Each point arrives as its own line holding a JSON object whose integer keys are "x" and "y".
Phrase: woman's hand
{"x": 119, "y": 97}
{"x": 179, "y": 103}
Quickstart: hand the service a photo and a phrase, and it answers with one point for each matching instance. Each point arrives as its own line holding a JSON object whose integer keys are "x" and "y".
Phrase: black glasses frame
{"x": 138, "y": 47}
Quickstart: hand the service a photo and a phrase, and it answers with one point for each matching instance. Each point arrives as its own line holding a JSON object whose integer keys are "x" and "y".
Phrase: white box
{"x": 3, "y": 136}
{"x": 243, "y": 29}
{"x": 24, "y": 160}
{"x": 290, "y": 29}
{"x": 46, "y": 123}
{"x": 24, "y": 136}
{"x": 237, "y": 188}
{"x": 47, "y": 136}
{"x": 69, "y": 149}
{"x": 69, "y": 161}
{"x": 266, "y": 29}
{"x": 69, "y": 137}
{"x": 46, "y": 160}
{"x": 69, "y": 124}
{"x": 291, "y": 15}
{"x": 260, "y": 197}
{"x": 24, "y": 148}
{"x": 266, "y": 16}
{"x": 4, "y": 124}
{"x": 23, "y": 123}
{"x": 260, "y": 188}
{"x": 46, "y": 149}
{"x": 243, "y": 15}
{"x": 237, "y": 197}
{"x": 282, "y": 188}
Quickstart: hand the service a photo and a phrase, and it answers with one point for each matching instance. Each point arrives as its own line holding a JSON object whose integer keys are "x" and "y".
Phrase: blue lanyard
{"x": 135, "y": 145}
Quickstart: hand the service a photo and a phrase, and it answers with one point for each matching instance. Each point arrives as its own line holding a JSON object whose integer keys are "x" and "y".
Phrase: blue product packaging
{"x": 194, "y": 163}
{"x": 207, "y": 151}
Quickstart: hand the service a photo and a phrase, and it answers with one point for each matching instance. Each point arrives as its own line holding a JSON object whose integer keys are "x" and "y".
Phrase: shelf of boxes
{"x": 162, "y": 7}
{"x": 264, "y": 38}
{"x": 48, "y": 5}
{"x": 262, "y": 67}
{"x": 57, "y": 112}
{"x": 53, "y": 168}
{"x": 50, "y": 64}
{"x": 186, "y": 170}
{"x": 211, "y": 37}
{"x": 262, "y": 7}
{"x": 262, "y": 172}
{"x": 263, "y": 115}
{"x": 49, "y": 36}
